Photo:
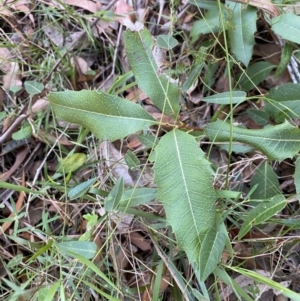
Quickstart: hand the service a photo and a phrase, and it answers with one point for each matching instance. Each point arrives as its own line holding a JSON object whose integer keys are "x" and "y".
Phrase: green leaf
{"x": 166, "y": 41}
{"x": 87, "y": 249}
{"x": 286, "y": 54}
{"x": 120, "y": 82}
{"x": 269, "y": 282}
{"x": 209, "y": 76}
{"x": 15, "y": 89}
{"x": 50, "y": 292}
{"x": 131, "y": 160}
{"x": 72, "y": 162}
{"x": 297, "y": 177}
{"x": 23, "y": 133}
{"x": 98, "y": 290}
{"x": 225, "y": 99}
{"x": 210, "y": 252}
{"x": 209, "y": 24}
{"x": 194, "y": 74}
{"x": 95, "y": 269}
{"x": 276, "y": 142}
{"x": 113, "y": 199}
{"x": 185, "y": 187}
{"x": 283, "y": 99}
{"x": 267, "y": 182}
{"x": 241, "y": 34}
{"x": 258, "y": 116}
{"x": 40, "y": 252}
{"x": 33, "y": 87}
{"x": 287, "y": 26}
{"x": 163, "y": 93}
{"x": 107, "y": 116}
{"x": 256, "y": 73}
{"x": 148, "y": 140}
{"x": 206, "y": 4}
{"x": 137, "y": 196}
{"x": 262, "y": 212}
{"x": 81, "y": 189}
{"x": 238, "y": 290}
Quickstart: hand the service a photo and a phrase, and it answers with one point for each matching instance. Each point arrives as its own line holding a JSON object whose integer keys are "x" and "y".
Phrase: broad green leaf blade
{"x": 210, "y": 252}
{"x": 262, "y": 212}
{"x": 226, "y": 98}
{"x": 267, "y": 182}
{"x": 258, "y": 116}
{"x": 107, "y": 116}
{"x": 166, "y": 41}
{"x": 163, "y": 93}
{"x": 256, "y": 73}
{"x": 297, "y": 177}
{"x": 87, "y": 249}
{"x": 287, "y": 26}
{"x": 137, "y": 196}
{"x": 276, "y": 142}
{"x": 209, "y": 24}
{"x": 241, "y": 34}
{"x": 185, "y": 187}
{"x": 81, "y": 189}
{"x": 206, "y": 4}
{"x": 283, "y": 99}
{"x": 113, "y": 199}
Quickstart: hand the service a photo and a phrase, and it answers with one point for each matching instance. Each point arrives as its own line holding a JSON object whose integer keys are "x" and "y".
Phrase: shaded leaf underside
{"x": 165, "y": 95}
{"x": 185, "y": 187}
{"x": 107, "y": 116}
{"x": 277, "y": 142}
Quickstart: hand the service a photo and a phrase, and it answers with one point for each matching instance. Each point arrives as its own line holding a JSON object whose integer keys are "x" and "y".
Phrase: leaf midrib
{"x": 185, "y": 184}
{"x": 160, "y": 83}
{"x": 108, "y": 116}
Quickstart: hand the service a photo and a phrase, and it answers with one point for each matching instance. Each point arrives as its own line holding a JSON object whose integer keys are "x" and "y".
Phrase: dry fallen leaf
{"x": 21, "y": 156}
{"x": 81, "y": 64}
{"x": 133, "y": 142}
{"x": 136, "y": 95}
{"x": 19, "y": 203}
{"x": 54, "y": 34}
{"x": 83, "y": 70}
{"x": 7, "y": 8}
{"x": 40, "y": 104}
{"x": 92, "y": 6}
{"x": 265, "y": 5}
{"x": 124, "y": 11}
{"x": 12, "y": 74}
{"x": 114, "y": 160}
{"x": 139, "y": 241}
